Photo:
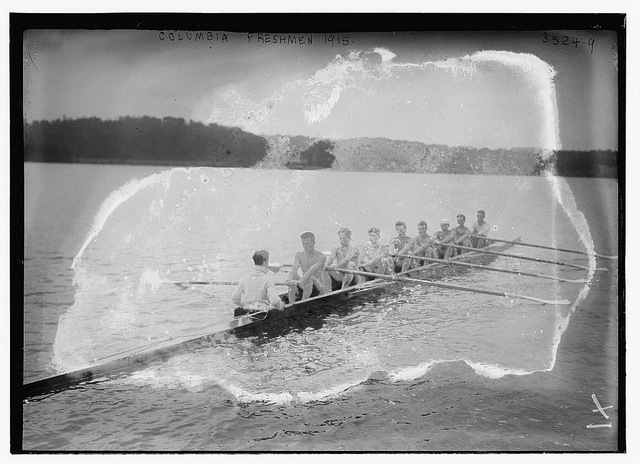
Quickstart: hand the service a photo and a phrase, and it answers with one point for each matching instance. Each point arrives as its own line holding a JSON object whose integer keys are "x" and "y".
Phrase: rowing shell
{"x": 132, "y": 360}
{"x": 124, "y": 363}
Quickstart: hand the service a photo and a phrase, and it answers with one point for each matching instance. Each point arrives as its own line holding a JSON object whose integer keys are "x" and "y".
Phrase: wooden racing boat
{"x": 135, "y": 359}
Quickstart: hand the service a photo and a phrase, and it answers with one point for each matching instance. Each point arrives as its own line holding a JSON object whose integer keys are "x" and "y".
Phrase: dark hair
{"x": 481, "y": 211}
{"x": 345, "y": 230}
{"x": 422, "y": 223}
{"x": 462, "y": 216}
{"x": 401, "y": 223}
{"x": 375, "y": 230}
{"x": 260, "y": 256}
{"x": 308, "y": 235}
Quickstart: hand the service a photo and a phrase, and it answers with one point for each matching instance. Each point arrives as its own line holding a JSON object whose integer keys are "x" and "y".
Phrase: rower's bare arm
{"x": 293, "y": 275}
{"x": 351, "y": 257}
{"x": 322, "y": 259}
{"x": 331, "y": 257}
{"x": 408, "y": 247}
{"x": 464, "y": 236}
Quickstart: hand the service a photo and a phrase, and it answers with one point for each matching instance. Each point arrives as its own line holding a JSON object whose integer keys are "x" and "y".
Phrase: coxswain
{"x": 256, "y": 290}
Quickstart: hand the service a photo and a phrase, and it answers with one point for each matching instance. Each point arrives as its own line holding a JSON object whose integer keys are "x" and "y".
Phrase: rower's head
{"x": 261, "y": 258}
{"x": 461, "y": 218}
{"x": 344, "y": 234}
{"x": 374, "y": 234}
{"x": 480, "y": 215}
{"x": 422, "y": 227}
{"x": 444, "y": 224}
{"x": 308, "y": 241}
{"x": 401, "y": 228}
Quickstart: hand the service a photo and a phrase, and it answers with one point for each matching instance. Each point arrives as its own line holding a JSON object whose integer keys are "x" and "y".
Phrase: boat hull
{"x": 267, "y": 323}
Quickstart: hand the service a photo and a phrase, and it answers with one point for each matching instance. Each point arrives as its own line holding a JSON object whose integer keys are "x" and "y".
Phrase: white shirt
{"x": 256, "y": 289}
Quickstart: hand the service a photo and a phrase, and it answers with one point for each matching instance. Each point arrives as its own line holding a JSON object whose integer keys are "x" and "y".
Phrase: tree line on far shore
{"x": 175, "y": 142}
{"x": 143, "y": 140}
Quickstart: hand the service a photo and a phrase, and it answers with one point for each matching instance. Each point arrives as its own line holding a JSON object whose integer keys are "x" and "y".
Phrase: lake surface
{"x": 104, "y": 244}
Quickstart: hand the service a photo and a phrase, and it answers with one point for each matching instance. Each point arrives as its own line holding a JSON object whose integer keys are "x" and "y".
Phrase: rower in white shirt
{"x": 481, "y": 228}
{"x": 256, "y": 290}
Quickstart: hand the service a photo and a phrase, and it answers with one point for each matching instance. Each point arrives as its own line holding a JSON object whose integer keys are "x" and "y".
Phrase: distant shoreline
{"x": 175, "y": 142}
{"x": 592, "y": 171}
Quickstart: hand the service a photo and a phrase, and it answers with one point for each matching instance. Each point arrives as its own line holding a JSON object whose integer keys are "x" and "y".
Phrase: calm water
{"x": 103, "y": 245}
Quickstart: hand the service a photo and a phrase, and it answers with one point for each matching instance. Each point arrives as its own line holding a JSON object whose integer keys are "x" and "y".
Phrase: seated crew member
{"x": 481, "y": 228}
{"x": 398, "y": 245}
{"x": 311, "y": 263}
{"x": 439, "y": 238}
{"x": 423, "y": 246}
{"x": 375, "y": 255}
{"x": 344, "y": 256}
{"x": 460, "y": 235}
{"x": 256, "y": 290}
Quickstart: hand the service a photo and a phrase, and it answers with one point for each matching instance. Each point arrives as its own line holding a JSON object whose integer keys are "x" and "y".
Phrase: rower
{"x": 423, "y": 245}
{"x": 344, "y": 256}
{"x": 482, "y": 228}
{"x": 460, "y": 235}
{"x": 440, "y": 236}
{"x": 256, "y": 290}
{"x": 311, "y": 263}
{"x": 400, "y": 245}
{"x": 374, "y": 256}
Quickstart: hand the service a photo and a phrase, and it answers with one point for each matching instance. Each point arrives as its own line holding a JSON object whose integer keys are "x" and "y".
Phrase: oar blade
{"x": 544, "y": 247}
{"x": 528, "y": 258}
{"x": 447, "y": 262}
{"x": 563, "y": 302}
{"x": 576, "y": 281}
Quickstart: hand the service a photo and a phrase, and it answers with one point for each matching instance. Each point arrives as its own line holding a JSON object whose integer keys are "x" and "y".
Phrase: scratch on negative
{"x": 34, "y": 63}
{"x": 266, "y": 438}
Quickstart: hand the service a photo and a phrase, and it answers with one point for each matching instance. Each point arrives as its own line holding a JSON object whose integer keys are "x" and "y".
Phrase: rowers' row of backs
{"x": 372, "y": 255}
{"x": 376, "y": 257}
{"x": 313, "y": 272}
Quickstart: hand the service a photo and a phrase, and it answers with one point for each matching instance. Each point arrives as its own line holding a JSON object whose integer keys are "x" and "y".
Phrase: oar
{"x": 488, "y": 252}
{"x": 489, "y": 268}
{"x": 395, "y": 277}
{"x": 275, "y": 267}
{"x": 546, "y": 247}
{"x": 212, "y": 282}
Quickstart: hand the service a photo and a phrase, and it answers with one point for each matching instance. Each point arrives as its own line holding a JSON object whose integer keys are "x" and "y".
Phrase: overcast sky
{"x": 481, "y": 89}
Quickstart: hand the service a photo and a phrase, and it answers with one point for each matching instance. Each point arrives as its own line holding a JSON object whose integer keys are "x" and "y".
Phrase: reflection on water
{"x": 204, "y": 224}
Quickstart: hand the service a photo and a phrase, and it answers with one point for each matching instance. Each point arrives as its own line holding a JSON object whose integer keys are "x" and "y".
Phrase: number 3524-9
{"x": 566, "y": 40}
